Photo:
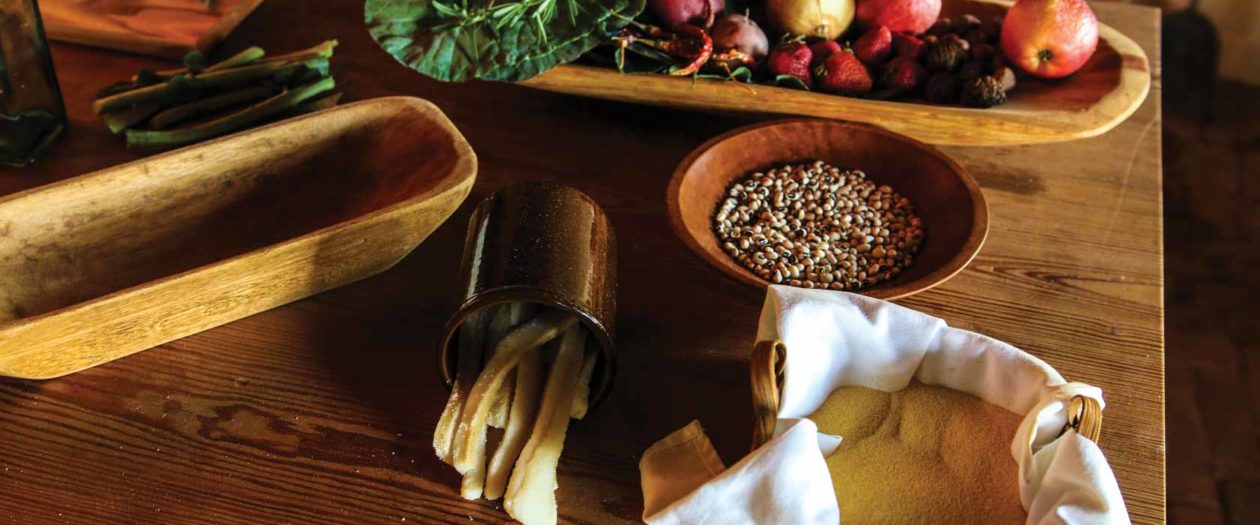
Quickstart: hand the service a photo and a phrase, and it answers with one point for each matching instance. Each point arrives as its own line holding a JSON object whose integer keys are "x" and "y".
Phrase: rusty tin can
{"x": 546, "y": 244}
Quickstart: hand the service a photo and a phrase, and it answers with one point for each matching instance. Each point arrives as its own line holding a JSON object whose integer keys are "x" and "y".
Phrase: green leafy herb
{"x": 510, "y": 40}
{"x": 739, "y": 74}
{"x": 268, "y": 108}
{"x": 119, "y": 120}
{"x": 207, "y": 105}
{"x": 171, "y": 108}
{"x": 183, "y": 86}
{"x": 249, "y": 55}
{"x": 790, "y": 81}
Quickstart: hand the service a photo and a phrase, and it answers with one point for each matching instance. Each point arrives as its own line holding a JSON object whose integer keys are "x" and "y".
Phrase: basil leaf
{"x": 458, "y": 40}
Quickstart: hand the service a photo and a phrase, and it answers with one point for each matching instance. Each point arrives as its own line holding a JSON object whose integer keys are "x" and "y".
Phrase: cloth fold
{"x": 837, "y": 339}
{"x": 789, "y": 473}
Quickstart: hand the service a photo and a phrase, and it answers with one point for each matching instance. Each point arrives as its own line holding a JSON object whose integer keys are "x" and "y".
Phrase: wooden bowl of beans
{"x": 828, "y": 204}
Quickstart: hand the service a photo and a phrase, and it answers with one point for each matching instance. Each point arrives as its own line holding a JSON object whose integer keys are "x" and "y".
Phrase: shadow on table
{"x": 378, "y": 338}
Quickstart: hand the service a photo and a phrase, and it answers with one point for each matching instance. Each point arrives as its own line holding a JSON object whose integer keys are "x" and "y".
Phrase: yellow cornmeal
{"x": 924, "y": 454}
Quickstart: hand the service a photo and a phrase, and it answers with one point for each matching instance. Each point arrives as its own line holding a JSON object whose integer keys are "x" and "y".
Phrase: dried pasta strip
{"x": 581, "y": 396}
{"x": 528, "y": 390}
{"x": 467, "y": 366}
{"x": 470, "y": 434}
{"x": 473, "y": 482}
{"x": 509, "y": 316}
{"x": 531, "y": 494}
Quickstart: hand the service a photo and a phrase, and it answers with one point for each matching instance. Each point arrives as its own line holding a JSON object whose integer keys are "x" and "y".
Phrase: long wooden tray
{"x": 104, "y": 265}
{"x": 1101, "y": 95}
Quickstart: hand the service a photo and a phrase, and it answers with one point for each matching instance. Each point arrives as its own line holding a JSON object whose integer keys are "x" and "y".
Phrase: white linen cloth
{"x": 837, "y": 339}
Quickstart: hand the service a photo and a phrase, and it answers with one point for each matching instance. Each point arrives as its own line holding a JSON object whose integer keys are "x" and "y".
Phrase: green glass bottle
{"x": 31, "y": 110}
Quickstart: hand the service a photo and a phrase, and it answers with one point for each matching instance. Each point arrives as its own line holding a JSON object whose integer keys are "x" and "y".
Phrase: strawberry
{"x": 791, "y": 59}
{"x": 903, "y": 74}
{"x": 875, "y": 47}
{"x": 908, "y": 45}
{"x": 824, "y": 49}
{"x": 842, "y": 74}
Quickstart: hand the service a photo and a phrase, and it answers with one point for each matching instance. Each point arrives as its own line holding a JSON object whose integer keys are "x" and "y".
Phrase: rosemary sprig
{"x": 505, "y": 14}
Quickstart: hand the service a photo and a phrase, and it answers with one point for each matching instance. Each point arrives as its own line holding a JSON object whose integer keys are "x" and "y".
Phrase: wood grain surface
{"x": 1102, "y": 94}
{"x": 110, "y": 36}
{"x": 127, "y": 258}
{"x": 322, "y": 411}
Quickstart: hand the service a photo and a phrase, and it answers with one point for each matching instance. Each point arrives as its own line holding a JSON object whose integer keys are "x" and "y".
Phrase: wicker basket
{"x": 766, "y": 369}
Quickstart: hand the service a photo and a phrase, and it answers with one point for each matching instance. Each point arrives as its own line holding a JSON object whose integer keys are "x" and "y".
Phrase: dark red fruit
{"x": 824, "y": 49}
{"x": 791, "y": 59}
{"x": 947, "y": 54}
{"x": 843, "y": 74}
{"x": 674, "y": 13}
{"x": 942, "y": 88}
{"x": 973, "y": 70}
{"x": 875, "y": 47}
{"x": 904, "y": 74}
{"x": 976, "y": 37}
{"x": 993, "y": 26}
{"x": 942, "y": 26}
{"x": 741, "y": 34}
{"x": 908, "y": 46}
{"x": 983, "y": 53}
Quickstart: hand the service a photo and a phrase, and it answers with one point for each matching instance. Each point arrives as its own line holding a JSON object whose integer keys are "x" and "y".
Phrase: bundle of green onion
{"x": 172, "y": 108}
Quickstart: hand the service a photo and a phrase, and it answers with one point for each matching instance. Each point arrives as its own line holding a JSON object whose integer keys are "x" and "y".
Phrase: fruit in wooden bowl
{"x": 948, "y": 201}
{"x": 1105, "y": 91}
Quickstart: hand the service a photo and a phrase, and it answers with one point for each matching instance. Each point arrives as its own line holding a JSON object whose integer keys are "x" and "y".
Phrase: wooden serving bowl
{"x": 1107, "y": 89}
{"x": 945, "y": 196}
{"x": 110, "y": 263}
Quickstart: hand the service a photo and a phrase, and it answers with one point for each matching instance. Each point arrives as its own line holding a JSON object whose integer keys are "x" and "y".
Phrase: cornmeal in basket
{"x": 924, "y": 454}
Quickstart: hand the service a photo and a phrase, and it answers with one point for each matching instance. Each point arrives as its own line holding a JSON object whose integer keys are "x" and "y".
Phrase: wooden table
{"x": 323, "y": 410}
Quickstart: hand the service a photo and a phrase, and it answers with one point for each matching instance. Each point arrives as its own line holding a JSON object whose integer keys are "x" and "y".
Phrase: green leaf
{"x": 790, "y": 81}
{"x": 739, "y": 74}
{"x": 506, "y": 40}
{"x": 445, "y": 10}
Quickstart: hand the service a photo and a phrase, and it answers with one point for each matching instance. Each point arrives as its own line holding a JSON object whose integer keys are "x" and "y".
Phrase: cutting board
{"x": 161, "y": 28}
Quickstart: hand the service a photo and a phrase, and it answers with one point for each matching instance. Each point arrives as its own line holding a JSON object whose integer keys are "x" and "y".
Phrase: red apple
{"x": 901, "y": 16}
{"x": 1049, "y": 38}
